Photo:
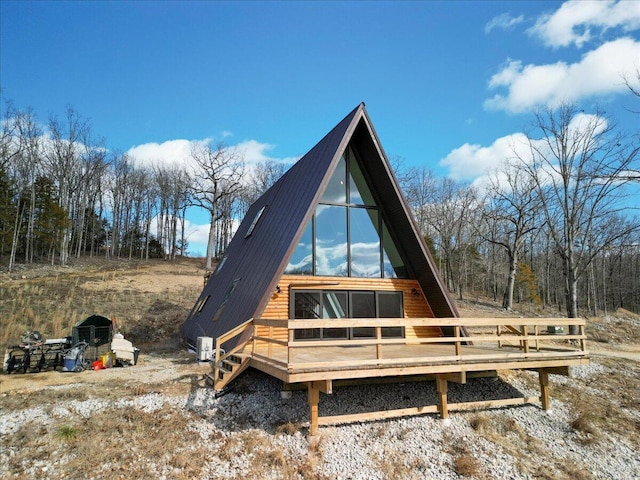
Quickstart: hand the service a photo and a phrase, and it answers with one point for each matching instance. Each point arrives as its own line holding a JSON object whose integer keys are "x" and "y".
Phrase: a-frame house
{"x": 330, "y": 258}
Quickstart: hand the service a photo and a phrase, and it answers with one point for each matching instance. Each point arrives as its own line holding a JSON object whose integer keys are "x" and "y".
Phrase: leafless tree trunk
{"x": 63, "y": 164}
{"x": 219, "y": 176}
{"x": 510, "y": 208}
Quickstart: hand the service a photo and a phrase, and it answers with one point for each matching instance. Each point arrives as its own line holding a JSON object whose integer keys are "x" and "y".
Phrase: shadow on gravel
{"x": 255, "y": 401}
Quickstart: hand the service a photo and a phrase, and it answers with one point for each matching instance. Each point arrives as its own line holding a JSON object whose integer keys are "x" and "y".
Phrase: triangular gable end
{"x": 267, "y": 238}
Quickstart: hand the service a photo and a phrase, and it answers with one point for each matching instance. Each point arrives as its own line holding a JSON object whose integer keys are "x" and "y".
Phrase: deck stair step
{"x": 228, "y": 369}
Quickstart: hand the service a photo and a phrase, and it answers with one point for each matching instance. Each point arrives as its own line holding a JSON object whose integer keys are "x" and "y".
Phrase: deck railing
{"x": 528, "y": 336}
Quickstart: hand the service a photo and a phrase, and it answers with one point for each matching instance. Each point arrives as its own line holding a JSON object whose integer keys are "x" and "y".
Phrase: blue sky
{"x": 443, "y": 81}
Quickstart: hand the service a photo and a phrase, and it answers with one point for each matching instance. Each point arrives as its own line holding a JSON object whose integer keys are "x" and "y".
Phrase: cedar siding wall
{"x": 415, "y": 306}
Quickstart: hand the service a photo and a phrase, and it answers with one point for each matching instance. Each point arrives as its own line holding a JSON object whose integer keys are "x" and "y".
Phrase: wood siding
{"x": 415, "y": 306}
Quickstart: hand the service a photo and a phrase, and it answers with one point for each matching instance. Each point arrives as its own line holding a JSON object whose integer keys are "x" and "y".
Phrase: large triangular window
{"x": 348, "y": 235}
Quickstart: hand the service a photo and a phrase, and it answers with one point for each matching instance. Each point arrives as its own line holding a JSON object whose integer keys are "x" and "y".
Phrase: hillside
{"x": 159, "y": 419}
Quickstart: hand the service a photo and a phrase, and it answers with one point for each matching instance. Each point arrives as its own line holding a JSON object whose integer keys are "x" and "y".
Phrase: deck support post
{"x": 314, "y": 399}
{"x": 441, "y": 386}
{"x": 544, "y": 388}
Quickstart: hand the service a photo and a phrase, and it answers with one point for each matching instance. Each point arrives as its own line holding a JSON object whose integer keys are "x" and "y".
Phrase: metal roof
{"x": 253, "y": 263}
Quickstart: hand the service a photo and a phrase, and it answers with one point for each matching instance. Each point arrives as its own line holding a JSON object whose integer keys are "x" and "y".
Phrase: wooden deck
{"x": 490, "y": 345}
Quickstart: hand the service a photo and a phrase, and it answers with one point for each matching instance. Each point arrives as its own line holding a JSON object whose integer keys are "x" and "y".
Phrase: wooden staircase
{"x": 228, "y": 365}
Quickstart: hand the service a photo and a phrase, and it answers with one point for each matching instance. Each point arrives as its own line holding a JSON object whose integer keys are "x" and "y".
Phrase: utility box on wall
{"x": 204, "y": 348}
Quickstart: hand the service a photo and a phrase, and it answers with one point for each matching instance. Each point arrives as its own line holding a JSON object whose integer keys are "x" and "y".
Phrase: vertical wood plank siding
{"x": 415, "y": 306}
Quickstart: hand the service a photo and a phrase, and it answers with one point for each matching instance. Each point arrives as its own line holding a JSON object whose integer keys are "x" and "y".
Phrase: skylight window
{"x": 227, "y": 295}
{"x": 255, "y": 222}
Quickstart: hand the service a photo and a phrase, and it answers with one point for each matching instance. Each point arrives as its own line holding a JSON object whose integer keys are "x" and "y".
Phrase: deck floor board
{"x": 403, "y": 359}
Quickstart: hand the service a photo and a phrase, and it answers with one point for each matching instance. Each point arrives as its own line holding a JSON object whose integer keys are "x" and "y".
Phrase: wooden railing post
{"x": 456, "y": 331}
{"x": 525, "y": 332}
{"x": 583, "y": 343}
{"x": 290, "y": 340}
{"x": 498, "y": 334}
{"x": 378, "y": 344}
{"x": 216, "y": 365}
{"x": 269, "y": 347}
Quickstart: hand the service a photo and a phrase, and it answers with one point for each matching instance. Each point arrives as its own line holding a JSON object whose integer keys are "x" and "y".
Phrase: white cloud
{"x": 480, "y": 165}
{"x": 198, "y": 237}
{"x": 576, "y": 20}
{"x": 504, "y": 21}
{"x": 469, "y": 162}
{"x": 599, "y": 72}
{"x": 256, "y": 152}
{"x": 169, "y": 153}
{"x": 178, "y": 152}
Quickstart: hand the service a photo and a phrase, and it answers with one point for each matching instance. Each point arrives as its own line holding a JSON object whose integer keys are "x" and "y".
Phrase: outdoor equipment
{"x": 97, "y": 332}
{"x": 35, "y": 354}
{"x": 74, "y": 359}
{"x": 125, "y": 352}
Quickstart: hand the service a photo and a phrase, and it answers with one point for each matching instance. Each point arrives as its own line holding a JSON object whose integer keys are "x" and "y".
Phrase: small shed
{"x": 97, "y": 331}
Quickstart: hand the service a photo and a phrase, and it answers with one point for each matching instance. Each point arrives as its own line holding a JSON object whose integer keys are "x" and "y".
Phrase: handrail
{"x": 296, "y": 324}
{"x": 518, "y": 331}
{"x": 234, "y": 332}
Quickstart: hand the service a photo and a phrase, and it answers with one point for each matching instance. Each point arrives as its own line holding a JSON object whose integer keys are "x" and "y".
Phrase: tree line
{"x": 554, "y": 224}
{"x": 64, "y": 194}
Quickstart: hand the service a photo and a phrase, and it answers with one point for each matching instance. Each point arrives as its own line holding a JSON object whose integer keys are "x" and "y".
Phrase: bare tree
{"x": 419, "y": 186}
{"x": 219, "y": 176}
{"x": 510, "y": 211}
{"x": 633, "y": 84}
{"x": 579, "y": 166}
{"x": 262, "y": 176}
{"x": 62, "y": 161}
{"x": 450, "y": 214}
{"x": 9, "y": 136}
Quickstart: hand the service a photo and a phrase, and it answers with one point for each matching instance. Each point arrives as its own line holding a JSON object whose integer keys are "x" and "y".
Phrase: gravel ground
{"x": 522, "y": 442}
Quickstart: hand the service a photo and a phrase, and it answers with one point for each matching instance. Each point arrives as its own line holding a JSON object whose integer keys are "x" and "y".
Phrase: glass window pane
{"x": 359, "y": 191}
{"x": 336, "y": 191}
{"x": 365, "y": 243}
{"x": 363, "y": 305}
{"x": 394, "y": 266}
{"x": 390, "y": 306}
{"x": 301, "y": 262}
{"x": 331, "y": 241}
{"x": 306, "y": 305}
{"x": 334, "y": 305}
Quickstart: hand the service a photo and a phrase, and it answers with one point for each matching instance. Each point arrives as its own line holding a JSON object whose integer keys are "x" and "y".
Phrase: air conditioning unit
{"x": 204, "y": 349}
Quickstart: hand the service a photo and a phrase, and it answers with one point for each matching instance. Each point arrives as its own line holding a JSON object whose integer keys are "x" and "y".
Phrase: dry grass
{"x": 52, "y": 303}
{"x": 531, "y": 455}
{"x": 288, "y": 428}
{"x": 116, "y": 442}
{"x": 464, "y": 463}
{"x": 395, "y": 465}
